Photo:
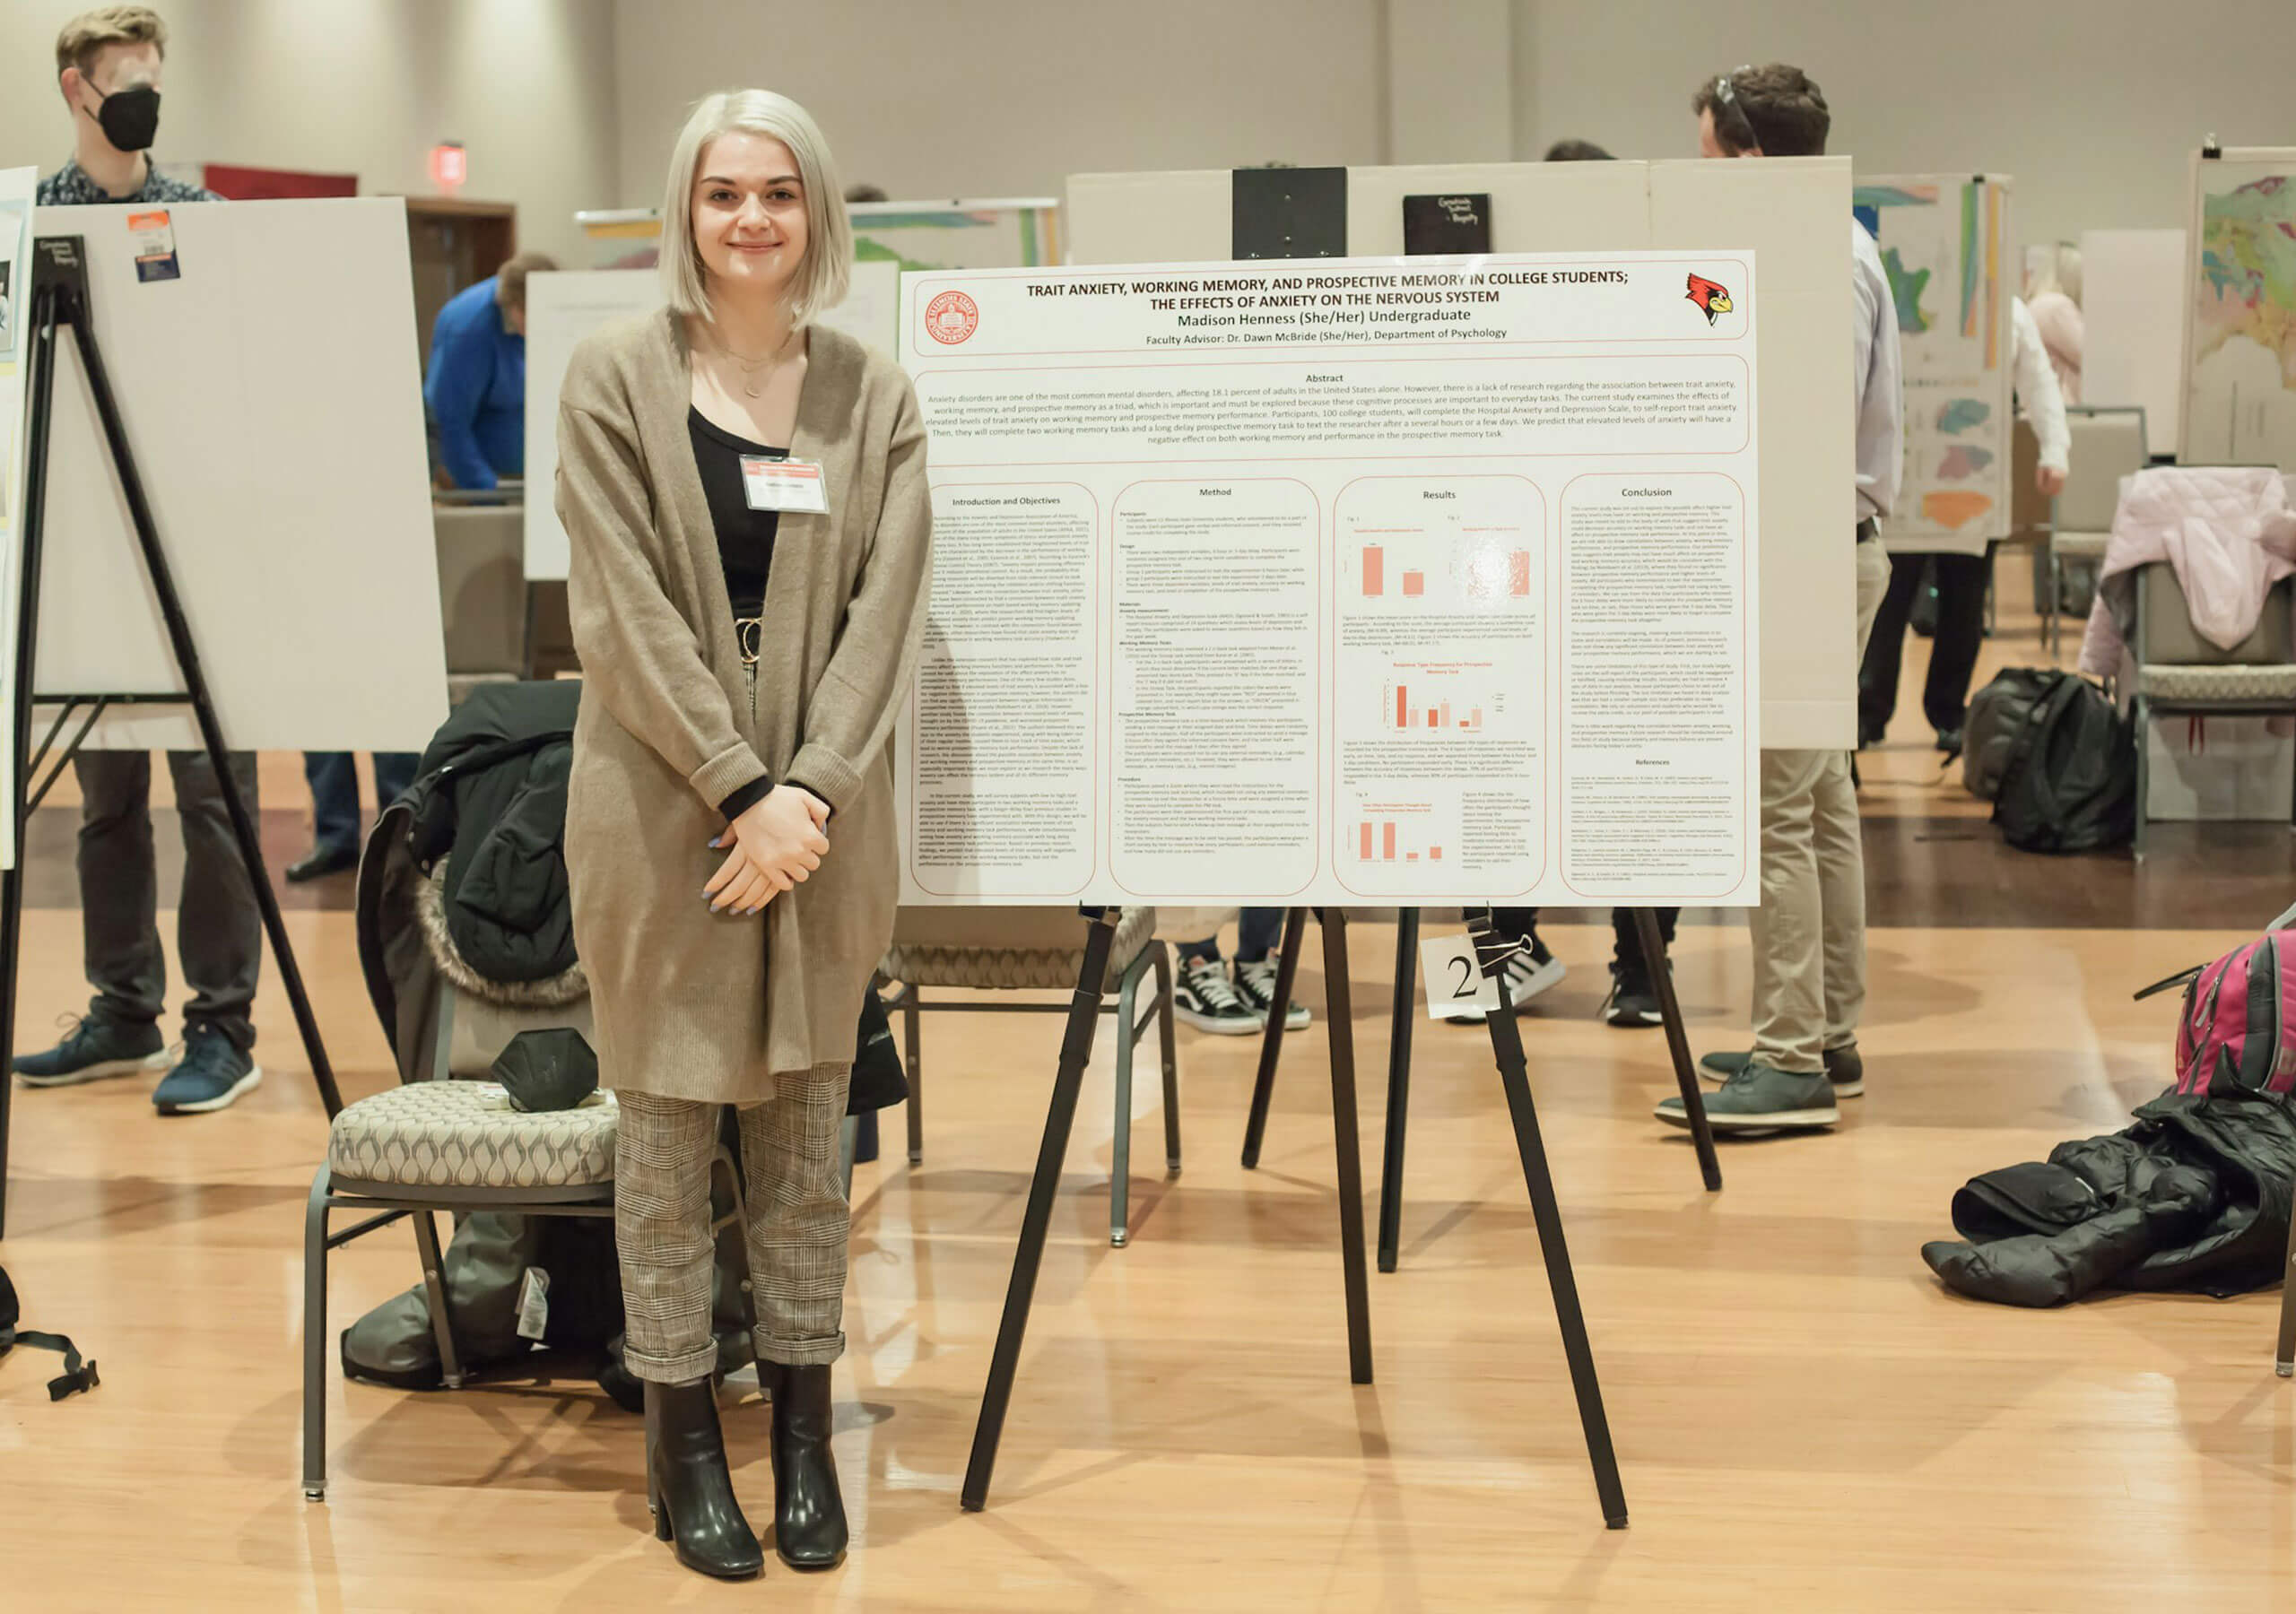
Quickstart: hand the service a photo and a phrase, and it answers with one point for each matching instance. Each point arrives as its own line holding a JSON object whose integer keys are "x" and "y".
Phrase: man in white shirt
{"x": 1809, "y": 933}
{"x": 1961, "y": 579}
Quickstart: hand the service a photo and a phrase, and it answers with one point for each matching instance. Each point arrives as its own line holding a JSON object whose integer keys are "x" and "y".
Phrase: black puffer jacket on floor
{"x": 2196, "y": 1195}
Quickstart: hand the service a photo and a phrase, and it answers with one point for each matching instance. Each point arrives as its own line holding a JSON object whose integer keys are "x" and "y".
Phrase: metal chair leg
{"x": 2284, "y": 1355}
{"x": 434, "y": 1288}
{"x": 1162, "y": 962}
{"x": 1120, "y": 1163}
{"x": 315, "y": 1339}
{"x": 2141, "y": 711}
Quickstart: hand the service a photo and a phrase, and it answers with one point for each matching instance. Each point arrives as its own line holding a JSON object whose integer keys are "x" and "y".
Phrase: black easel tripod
{"x": 1399, "y": 1040}
{"x": 59, "y": 298}
{"x": 1491, "y": 952}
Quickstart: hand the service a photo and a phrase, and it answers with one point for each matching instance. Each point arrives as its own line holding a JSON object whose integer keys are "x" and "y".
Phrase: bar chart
{"x": 1479, "y": 571}
{"x": 1400, "y": 711}
{"x": 1394, "y": 840}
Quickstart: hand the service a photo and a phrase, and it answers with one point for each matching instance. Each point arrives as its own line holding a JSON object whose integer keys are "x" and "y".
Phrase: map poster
{"x": 1944, "y": 241}
{"x": 2240, "y": 314}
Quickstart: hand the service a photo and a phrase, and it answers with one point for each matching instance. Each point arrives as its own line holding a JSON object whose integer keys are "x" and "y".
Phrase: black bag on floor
{"x": 77, "y": 1375}
{"x": 2070, "y": 781}
{"x": 1996, "y": 713}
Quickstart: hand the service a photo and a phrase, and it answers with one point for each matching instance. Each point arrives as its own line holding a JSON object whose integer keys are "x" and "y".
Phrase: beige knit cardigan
{"x": 689, "y": 1003}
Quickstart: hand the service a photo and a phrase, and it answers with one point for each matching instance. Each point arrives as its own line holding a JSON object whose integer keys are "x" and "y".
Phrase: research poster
{"x": 1411, "y": 581}
{"x": 2240, "y": 405}
{"x": 1945, "y": 244}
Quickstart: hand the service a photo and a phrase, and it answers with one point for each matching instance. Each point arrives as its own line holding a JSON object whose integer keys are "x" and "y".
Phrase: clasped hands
{"x": 776, "y": 843}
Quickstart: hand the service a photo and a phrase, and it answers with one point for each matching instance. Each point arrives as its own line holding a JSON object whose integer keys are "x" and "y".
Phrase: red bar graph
{"x": 1403, "y": 707}
{"x": 1415, "y": 583}
{"x": 1434, "y": 854}
{"x": 1367, "y": 843}
{"x": 1518, "y": 573}
{"x": 1374, "y": 571}
{"x": 1388, "y": 842}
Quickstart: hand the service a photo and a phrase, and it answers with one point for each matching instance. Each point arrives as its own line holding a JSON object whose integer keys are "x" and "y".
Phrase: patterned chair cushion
{"x": 464, "y": 1135}
{"x": 2202, "y": 685}
{"x": 1014, "y": 969}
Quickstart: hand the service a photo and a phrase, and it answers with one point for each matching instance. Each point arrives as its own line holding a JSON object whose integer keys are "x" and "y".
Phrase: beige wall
{"x": 2094, "y": 107}
{"x": 1000, "y": 97}
{"x": 363, "y": 87}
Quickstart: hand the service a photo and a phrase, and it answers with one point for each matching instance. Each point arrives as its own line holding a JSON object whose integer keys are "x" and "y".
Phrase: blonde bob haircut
{"x": 827, "y": 268}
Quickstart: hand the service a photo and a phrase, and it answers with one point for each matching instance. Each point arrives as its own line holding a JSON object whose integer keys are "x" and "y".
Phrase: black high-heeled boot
{"x": 689, "y": 1485}
{"x": 809, "y": 1528}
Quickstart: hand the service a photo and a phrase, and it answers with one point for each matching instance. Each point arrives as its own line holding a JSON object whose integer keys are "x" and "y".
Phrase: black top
{"x": 744, "y": 536}
{"x": 745, "y": 543}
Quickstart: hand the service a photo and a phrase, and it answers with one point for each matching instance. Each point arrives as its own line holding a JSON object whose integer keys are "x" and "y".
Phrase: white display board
{"x": 1944, "y": 241}
{"x": 1793, "y": 212}
{"x": 274, "y": 408}
{"x": 1420, "y": 580}
{"x": 17, "y": 186}
{"x": 2132, "y": 306}
{"x": 2240, "y": 347}
{"x": 562, "y": 307}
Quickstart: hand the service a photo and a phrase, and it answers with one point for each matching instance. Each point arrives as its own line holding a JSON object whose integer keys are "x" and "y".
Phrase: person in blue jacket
{"x": 475, "y": 393}
{"x": 475, "y": 386}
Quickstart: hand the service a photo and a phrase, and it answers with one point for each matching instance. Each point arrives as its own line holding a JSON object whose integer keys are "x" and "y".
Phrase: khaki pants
{"x": 1809, "y": 933}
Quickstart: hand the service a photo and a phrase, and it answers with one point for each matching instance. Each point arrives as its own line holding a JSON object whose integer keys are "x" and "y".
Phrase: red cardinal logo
{"x": 1712, "y": 296}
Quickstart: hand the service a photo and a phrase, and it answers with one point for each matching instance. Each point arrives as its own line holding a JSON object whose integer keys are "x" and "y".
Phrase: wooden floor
{"x": 1805, "y": 1421}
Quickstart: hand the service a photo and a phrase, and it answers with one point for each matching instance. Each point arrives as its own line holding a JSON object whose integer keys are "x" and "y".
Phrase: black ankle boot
{"x": 808, "y": 1509}
{"x": 689, "y": 1485}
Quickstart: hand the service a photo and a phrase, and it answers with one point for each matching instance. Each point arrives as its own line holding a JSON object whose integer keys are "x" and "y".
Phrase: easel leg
{"x": 202, "y": 706}
{"x": 1342, "y": 1030}
{"x": 1036, "y": 1221}
{"x": 40, "y": 400}
{"x": 1670, "y": 1009}
{"x": 1271, "y": 1042}
{"x": 1507, "y": 1046}
{"x": 1399, "y": 1032}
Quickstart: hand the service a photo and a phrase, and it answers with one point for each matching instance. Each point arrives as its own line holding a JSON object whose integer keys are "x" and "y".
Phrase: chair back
{"x": 2165, "y": 635}
{"x": 2106, "y": 444}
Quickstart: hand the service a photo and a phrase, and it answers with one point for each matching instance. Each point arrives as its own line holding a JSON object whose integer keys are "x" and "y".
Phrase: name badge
{"x": 775, "y": 484}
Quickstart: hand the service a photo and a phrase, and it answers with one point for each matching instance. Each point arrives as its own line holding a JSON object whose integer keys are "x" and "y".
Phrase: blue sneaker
{"x": 91, "y": 1050}
{"x": 211, "y": 1074}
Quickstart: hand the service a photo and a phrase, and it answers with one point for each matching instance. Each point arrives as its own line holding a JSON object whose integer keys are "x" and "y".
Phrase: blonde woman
{"x": 744, "y": 492}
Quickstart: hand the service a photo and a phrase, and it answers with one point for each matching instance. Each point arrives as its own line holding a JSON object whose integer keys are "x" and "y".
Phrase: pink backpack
{"x": 2237, "y": 1035}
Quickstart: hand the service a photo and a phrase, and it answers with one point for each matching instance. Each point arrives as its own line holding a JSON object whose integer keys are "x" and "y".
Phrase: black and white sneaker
{"x": 1203, "y": 997}
{"x": 1256, "y": 985}
{"x": 1529, "y": 970}
{"x": 1633, "y": 1003}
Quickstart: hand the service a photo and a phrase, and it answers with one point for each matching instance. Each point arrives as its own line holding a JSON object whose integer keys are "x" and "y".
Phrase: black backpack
{"x": 77, "y": 1374}
{"x": 2069, "y": 784}
{"x": 1997, "y": 715}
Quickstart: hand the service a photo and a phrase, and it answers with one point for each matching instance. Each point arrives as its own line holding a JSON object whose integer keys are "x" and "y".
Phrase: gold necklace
{"x": 748, "y": 367}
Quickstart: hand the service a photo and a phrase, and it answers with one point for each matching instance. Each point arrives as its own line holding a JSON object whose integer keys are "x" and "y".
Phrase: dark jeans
{"x": 219, "y": 928}
{"x": 333, "y": 779}
{"x": 1626, "y": 943}
{"x": 1952, "y": 650}
{"x": 1258, "y": 932}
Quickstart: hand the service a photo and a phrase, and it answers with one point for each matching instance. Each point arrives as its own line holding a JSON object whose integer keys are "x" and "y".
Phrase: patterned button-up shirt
{"x": 71, "y": 186}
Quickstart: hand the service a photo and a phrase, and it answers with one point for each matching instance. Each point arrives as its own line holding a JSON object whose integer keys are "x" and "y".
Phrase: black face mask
{"x": 130, "y": 118}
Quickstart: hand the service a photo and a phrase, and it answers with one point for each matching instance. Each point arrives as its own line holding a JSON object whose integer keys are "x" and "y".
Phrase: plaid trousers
{"x": 794, "y": 1227}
